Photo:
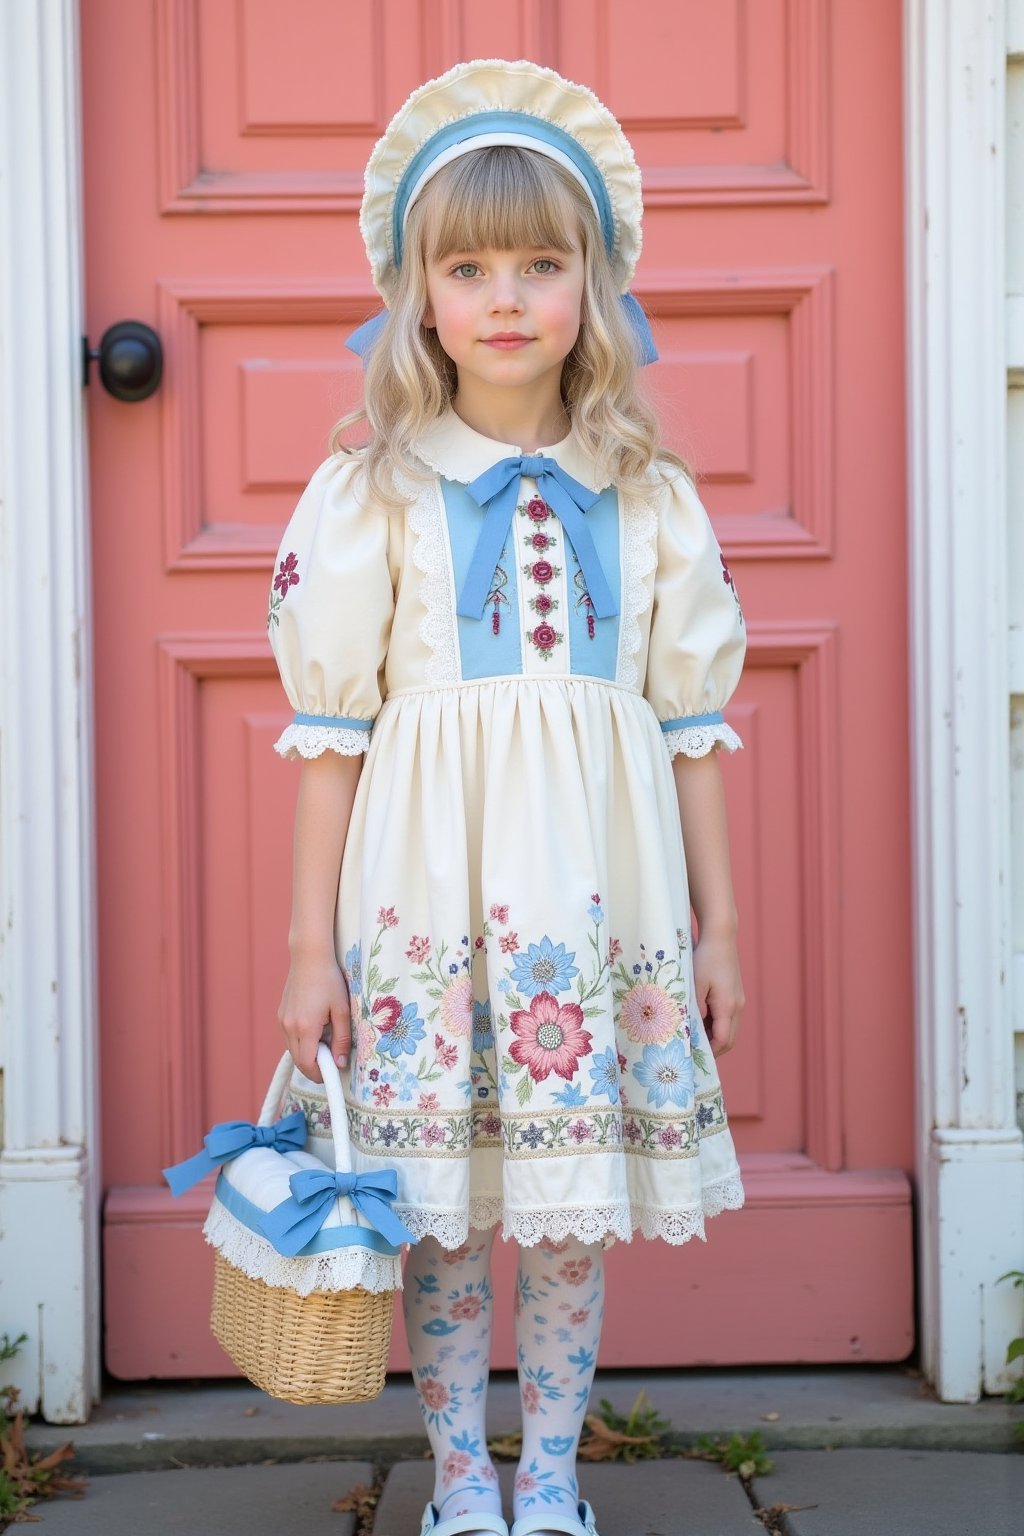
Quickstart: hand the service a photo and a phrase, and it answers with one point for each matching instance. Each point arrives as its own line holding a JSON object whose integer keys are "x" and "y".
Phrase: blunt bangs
{"x": 502, "y": 198}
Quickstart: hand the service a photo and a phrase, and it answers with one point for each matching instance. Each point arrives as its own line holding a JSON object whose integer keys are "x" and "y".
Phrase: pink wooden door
{"x": 224, "y": 151}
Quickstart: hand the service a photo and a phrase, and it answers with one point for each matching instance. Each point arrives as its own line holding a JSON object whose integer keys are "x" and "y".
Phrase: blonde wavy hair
{"x": 499, "y": 198}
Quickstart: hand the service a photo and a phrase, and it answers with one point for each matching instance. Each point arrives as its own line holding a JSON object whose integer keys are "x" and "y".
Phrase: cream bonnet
{"x": 495, "y": 101}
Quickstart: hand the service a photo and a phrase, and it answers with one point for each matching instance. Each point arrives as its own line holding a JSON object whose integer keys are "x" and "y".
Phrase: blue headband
{"x": 546, "y": 133}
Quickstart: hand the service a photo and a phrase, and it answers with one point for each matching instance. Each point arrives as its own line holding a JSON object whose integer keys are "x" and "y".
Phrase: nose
{"x": 506, "y": 293}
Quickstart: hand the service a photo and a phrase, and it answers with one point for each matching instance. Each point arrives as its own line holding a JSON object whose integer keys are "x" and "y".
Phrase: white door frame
{"x": 49, "y": 1179}
{"x": 970, "y": 1164}
{"x": 970, "y": 1159}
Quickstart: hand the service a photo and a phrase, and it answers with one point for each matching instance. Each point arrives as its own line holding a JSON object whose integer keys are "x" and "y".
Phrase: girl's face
{"x": 507, "y": 319}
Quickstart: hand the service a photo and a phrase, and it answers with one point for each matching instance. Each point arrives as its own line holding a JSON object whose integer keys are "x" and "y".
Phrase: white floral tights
{"x": 559, "y": 1307}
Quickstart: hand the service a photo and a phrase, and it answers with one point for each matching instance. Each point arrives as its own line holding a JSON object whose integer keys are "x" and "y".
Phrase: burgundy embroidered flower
{"x": 549, "y": 1037}
{"x": 287, "y": 575}
{"x": 492, "y": 1124}
{"x": 630, "y": 1129}
{"x": 542, "y": 571}
{"x": 448, "y": 1055}
{"x": 540, "y": 541}
{"x": 726, "y": 573}
{"x": 544, "y": 637}
{"x": 614, "y": 950}
{"x": 537, "y": 509}
{"x": 670, "y": 1136}
{"x": 387, "y": 918}
{"x": 383, "y": 1094}
{"x": 508, "y": 942}
{"x": 499, "y": 914}
{"x": 428, "y": 1101}
{"x": 478, "y": 942}
{"x": 418, "y": 949}
{"x": 580, "y": 1131}
{"x": 595, "y": 898}
{"x": 390, "y": 1008}
{"x": 432, "y": 1135}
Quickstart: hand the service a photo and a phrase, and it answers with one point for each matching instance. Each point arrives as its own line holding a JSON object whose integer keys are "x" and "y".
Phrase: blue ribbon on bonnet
{"x": 297, "y": 1220}
{"x": 497, "y": 490}
{"x": 364, "y": 336}
{"x": 230, "y": 1139}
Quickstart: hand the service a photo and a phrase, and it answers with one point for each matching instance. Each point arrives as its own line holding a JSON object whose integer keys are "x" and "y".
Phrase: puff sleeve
{"x": 698, "y": 638}
{"x": 331, "y": 607}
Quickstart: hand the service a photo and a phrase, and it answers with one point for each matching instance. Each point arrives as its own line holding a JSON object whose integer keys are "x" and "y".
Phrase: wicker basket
{"x": 324, "y": 1347}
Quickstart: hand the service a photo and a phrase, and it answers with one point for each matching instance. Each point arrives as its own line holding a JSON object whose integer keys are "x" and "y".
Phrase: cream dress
{"x": 513, "y": 918}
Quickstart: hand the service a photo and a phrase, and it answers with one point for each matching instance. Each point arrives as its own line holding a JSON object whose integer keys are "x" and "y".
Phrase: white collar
{"x": 458, "y": 452}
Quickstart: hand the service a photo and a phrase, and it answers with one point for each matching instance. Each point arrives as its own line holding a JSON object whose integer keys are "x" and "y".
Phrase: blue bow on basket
{"x": 293, "y": 1223}
{"x": 229, "y": 1140}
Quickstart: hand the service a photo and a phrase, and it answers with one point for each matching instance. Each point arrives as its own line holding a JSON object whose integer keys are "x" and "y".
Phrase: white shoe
{"x": 585, "y": 1525}
{"x": 459, "y": 1524}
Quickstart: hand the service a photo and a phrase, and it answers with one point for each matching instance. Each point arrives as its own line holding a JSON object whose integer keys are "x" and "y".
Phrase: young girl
{"x": 512, "y": 602}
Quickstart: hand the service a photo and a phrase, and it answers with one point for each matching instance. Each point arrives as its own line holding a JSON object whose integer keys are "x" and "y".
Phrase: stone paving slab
{"x": 233, "y": 1501}
{"x": 898, "y": 1493}
{"x": 229, "y": 1423}
{"x": 654, "y": 1498}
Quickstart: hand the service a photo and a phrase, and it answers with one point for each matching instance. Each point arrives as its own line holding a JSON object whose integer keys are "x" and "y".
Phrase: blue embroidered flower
{"x": 504, "y": 985}
{"x": 403, "y": 1035}
{"x": 408, "y": 1084}
{"x": 354, "y": 966}
{"x": 389, "y": 1133}
{"x": 659, "y": 954}
{"x": 533, "y": 1135}
{"x": 596, "y": 913}
{"x": 667, "y": 1073}
{"x": 636, "y": 970}
{"x": 543, "y": 967}
{"x": 453, "y": 969}
{"x": 604, "y": 1074}
{"x": 571, "y": 1096}
{"x": 483, "y": 1028}
{"x": 705, "y": 1116}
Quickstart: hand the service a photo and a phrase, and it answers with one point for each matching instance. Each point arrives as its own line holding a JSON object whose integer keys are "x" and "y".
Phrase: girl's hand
{"x": 315, "y": 1006}
{"x": 720, "y": 999}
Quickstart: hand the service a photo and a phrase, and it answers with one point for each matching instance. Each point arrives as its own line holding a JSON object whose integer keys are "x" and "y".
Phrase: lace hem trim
{"x": 342, "y": 1270}
{"x": 311, "y": 740}
{"x": 430, "y": 556}
{"x": 639, "y": 559}
{"x": 697, "y": 740}
{"x": 591, "y": 1224}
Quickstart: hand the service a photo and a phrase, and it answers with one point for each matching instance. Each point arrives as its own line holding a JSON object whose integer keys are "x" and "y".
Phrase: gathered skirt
{"x": 514, "y": 927}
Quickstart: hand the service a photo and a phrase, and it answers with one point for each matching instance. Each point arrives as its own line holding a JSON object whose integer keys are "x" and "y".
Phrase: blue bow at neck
{"x": 230, "y": 1139}
{"x": 293, "y": 1223}
{"x": 497, "y": 489}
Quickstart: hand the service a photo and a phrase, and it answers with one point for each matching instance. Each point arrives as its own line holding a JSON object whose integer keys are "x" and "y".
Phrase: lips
{"x": 507, "y": 341}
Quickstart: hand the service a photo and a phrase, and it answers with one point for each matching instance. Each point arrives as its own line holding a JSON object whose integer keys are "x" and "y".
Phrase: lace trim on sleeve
{"x": 639, "y": 559}
{"x": 430, "y": 556}
{"x": 305, "y": 741}
{"x": 697, "y": 740}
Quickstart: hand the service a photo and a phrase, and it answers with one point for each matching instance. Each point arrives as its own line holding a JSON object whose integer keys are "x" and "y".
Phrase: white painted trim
{"x": 49, "y": 1180}
{"x": 970, "y": 1157}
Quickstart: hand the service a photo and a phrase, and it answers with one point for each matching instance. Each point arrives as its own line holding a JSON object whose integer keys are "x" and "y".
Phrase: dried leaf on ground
{"x": 360, "y": 1500}
{"x": 508, "y": 1446}
{"x": 605, "y": 1444}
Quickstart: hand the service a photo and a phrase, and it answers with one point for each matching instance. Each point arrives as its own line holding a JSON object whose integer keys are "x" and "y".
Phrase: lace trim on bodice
{"x": 430, "y": 556}
{"x": 698, "y": 740}
{"x": 639, "y": 558}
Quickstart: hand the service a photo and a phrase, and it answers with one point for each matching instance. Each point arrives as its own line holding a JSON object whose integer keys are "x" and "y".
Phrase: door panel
{"x": 223, "y": 210}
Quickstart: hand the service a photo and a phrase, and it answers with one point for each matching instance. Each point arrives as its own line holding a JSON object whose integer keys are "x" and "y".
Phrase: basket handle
{"x": 335, "y": 1102}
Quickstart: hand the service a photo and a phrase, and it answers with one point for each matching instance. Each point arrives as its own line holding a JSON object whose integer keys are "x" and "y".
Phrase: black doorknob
{"x": 131, "y": 359}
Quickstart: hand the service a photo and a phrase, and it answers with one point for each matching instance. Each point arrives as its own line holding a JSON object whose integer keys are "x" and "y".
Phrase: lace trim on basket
{"x": 342, "y": 1270}
{"x": 430, "y": 556}
{"x": 639, "y": 558}
{"x": 311, "y": 740}
{"x": 696, "y": 740}
{"x": 591, "y": 1223}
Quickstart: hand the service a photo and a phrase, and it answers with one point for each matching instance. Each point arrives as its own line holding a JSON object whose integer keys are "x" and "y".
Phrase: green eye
{"x": 546, "y": 263}
{"x": 466, "y": 269}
